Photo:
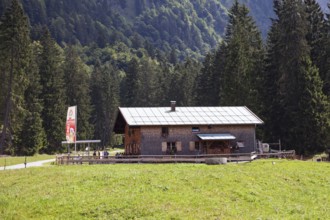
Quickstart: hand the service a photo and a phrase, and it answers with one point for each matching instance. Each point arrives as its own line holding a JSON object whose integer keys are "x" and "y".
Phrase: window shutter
{"x": 192, "y": 145}
{"x": 164, "y": 146}
{"x": 178, "y": 146}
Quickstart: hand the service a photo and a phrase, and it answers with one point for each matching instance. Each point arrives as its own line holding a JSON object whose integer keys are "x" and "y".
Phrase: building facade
{"x": 187, "y": 130}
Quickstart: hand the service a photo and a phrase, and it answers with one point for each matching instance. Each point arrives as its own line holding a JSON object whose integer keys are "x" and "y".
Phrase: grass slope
{"x": 257, "y": 190}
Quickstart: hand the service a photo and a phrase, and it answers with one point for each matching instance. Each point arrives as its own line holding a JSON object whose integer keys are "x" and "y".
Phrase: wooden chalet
{"x": 187, "y": 130}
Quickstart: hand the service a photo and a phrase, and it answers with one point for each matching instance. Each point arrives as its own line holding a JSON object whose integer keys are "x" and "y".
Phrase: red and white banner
{"x": 71, "y": 124}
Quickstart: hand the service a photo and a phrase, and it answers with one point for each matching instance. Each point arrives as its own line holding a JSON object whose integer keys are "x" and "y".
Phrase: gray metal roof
{"x": 189, "y": 116}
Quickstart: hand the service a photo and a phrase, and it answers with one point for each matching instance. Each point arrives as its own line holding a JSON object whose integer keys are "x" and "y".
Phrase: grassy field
{"x": 18, "y": 160}
{"x": 257, "y": 190}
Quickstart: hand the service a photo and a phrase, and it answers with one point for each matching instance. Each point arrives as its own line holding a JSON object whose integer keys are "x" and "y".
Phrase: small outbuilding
{"x": 187, "y": 130}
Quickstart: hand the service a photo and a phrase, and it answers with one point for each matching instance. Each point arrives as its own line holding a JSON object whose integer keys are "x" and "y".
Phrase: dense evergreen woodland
{"x": 52, "y": 57}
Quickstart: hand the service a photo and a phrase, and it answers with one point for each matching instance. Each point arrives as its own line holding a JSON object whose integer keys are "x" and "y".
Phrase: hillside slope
{"x": 191, "y": 27}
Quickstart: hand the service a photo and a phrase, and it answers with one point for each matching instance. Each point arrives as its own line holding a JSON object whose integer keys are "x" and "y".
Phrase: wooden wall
{"x": 151, "y": 139}
{"x": 132, "y": 141}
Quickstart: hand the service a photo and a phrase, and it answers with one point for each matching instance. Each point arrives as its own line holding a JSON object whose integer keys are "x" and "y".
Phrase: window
{"x": 195, "y": 129}
{"x": 197, "y": 145}
{"x": 171, "y": 148}
{"x": 164, "y": 131}
{"x": 133, "y": 130}
{"x": 240, "y": 144}
{"x": 130, "y": 132}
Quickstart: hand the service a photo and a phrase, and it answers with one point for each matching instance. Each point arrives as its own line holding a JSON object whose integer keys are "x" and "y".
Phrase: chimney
{"x": 173, "y": 104}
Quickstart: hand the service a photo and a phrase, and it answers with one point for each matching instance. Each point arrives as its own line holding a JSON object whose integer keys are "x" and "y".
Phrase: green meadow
{"x": 262, "y": 189}
{"x": 7, "y": 161}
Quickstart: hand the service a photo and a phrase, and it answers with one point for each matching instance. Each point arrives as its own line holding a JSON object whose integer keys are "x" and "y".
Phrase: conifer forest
{"x": 273, "y": 57}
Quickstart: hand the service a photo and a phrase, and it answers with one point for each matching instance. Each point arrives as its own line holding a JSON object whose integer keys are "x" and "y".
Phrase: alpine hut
{"x": 187, "y": 130}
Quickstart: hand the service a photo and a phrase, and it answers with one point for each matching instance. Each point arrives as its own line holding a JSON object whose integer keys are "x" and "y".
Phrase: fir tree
{"x": 207, "y": 87}
{"x": 174, "y": 92}
{"x": 316, "y": 36}
{"x": 77, "y": 91}
{"x": 271, "y": 111}
{"x": 32, "y": 136}
{"x": 97, "y": 116}
{"x": 105, "y": 100}
{"x": 297, "y": 97}
{"x": 111, "y": 101}
{"x": 243, "y": 56}
{"x": 311, "y": 133}
{"x": 53, "y": 93}
{"x": 325, "y": 76}
{"x": 14, "y": 51}
{"x": 187, "y": 73}
{"x": 147, "y": 83}
{"x": 163, "y": 83}
{"x": 131, "y": 84}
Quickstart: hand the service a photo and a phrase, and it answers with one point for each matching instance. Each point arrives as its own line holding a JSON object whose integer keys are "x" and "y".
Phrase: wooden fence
{"x": 291, "y": 154}
{"x": 234, "y": 157}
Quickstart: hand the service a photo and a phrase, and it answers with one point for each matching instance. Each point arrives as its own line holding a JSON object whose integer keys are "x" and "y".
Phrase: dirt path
{"x": 31, "y": 164}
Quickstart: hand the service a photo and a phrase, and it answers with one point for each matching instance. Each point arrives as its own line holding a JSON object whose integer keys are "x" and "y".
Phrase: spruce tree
{"x": 325, "y": 76}
{"x": 174, "y": 91}
{"x": 298, "y": 102}
{"x": 78, "y": 91}
{"x": 53, "y": 93}
{"x": 97, "y": 115}
{"x": 110, "y": 87}
{"x": 185, "y": 84}
{"x": 243, "y": 56}
{"x": 271, "y": 111}
{"x": 317, "y": 36}
{"x": 14, "y": 51}
{"x": 163, "y": 83}
{"x": 207, "y": 86}
{"x": 131, "y": 84}
{"x": 32, "y": 136}
{"x": 217, "y": 75}
{"x": 311, "y": 134}
{"x": 105, "y": 101}
{"x": 147, "y": 82}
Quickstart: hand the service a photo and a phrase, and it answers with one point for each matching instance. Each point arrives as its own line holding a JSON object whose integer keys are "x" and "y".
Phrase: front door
{"x": 218, "y": 147}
